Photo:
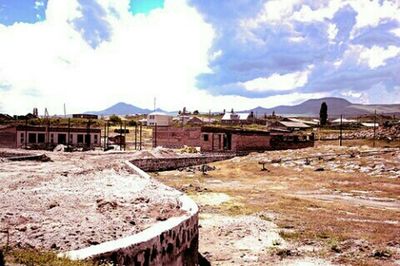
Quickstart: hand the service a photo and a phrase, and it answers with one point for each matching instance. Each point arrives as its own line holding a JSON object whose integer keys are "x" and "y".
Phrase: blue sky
{"x": 206, "y": 54}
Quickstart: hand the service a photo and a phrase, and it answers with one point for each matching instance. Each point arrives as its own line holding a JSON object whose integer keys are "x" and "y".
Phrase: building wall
{"x": 8, "y": 137}
{"x": 164, "y": 164}
{"x": 160, "y": 120}
{"x": 250, "y": 142}
{"x": 52, "y": 137}
{"x": 173, "y": 137}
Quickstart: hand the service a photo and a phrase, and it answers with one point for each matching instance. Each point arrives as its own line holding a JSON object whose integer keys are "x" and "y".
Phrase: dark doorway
{"x": 32, "y": 137}
{"x": 62, "y": 139}
{"x": 227, "y": 141}
{"x": 41, "y": 137}
{"x": 88, "y": 139}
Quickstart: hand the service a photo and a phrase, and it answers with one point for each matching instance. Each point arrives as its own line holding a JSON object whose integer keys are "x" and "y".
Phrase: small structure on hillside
{"x": 85, "y": 116}
{"x": 237, "y": 118}
{"x": 288, "y": 125}
{"x": 344, "y": 121}
{"x": 159, "y": 118}
{"x": 370, "y": 125}
{"x": 198, "y": 121}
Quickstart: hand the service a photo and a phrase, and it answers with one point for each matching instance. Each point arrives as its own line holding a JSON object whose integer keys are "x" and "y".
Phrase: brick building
{"x": 220, "y": 139}
{"x": 21, "y": 136}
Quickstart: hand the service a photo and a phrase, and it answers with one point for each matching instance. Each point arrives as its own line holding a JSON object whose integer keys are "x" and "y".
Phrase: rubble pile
{"x": 381, "y": 162}
{"x": 381, "y": 133}
{"x": 78, "y": 200}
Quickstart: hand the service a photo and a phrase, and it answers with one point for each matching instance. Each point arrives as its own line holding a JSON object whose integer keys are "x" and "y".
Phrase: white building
{"x": 159, "y": 119}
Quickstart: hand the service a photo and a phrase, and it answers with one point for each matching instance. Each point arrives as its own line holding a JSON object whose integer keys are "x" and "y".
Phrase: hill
{"x": 122, "y": 109}
{"x": 336, "y": 107}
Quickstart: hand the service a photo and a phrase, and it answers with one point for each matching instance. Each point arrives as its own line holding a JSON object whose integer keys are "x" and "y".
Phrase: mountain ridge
{"x": 336, "y": 107}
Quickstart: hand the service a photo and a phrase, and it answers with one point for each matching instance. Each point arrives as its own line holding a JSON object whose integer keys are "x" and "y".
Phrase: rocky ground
{"x": 315, "y": 206}
{"x": 380, "y": 133}
{"x": 76, "y": 200}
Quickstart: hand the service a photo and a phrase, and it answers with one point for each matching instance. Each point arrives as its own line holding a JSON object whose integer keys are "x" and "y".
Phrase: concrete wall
{"x": 52, "y": 137}
{"x": 163, "y": 164}
{"x": 160, "y": 120}
{"x": 170, "y": 242}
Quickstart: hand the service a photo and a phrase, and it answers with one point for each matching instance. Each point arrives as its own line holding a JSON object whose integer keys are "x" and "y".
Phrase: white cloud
{"x": 352, "y": 94}
{"x": 396, "y": 32}
{"x": 332, "y": 32}
{"x": 277, "y": 82}
{"x": 373, "y": 57}
{"x": 371, "y": 13}
{"x": 38, "y": 4}
{"x": 158, "y": 55}
{"x": 376, "y": 56}
{"x": 324, "y": 12}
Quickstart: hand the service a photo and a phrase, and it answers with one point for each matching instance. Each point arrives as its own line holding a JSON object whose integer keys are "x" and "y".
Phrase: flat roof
{"x": 233, "y": 130}
{"x": 58, "y": 129}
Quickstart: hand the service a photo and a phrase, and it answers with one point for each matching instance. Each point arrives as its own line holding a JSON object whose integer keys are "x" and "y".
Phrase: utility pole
{"x": 136, "y": 137}
{"x": 374, "y": 129}
{"x": 155, "y": 135}
{"x": 341, "y": 130}
{"x": 69, "y": 133}
{"x": 104, "y": 136}
{"x": 120, "y": 134}
{"x": 140, "y": 136}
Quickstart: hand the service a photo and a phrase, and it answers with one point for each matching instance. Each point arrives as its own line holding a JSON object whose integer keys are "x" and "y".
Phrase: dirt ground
{"x": 76, "y": 200}
{"x": 315, "y": 206}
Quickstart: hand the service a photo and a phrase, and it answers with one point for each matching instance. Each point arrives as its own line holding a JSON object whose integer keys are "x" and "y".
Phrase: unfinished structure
{"x": 223, "y": 139}
{"x": 24, "y": 135}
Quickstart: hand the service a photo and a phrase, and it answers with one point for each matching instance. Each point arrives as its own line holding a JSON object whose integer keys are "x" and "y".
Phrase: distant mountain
{"x": 122, "y": 109}
{"x": 336, "y": 107}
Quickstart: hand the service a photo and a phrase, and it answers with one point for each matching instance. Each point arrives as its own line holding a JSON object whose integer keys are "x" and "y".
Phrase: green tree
{"x": 115, "y": 119}
{"x": 323, "y": 114}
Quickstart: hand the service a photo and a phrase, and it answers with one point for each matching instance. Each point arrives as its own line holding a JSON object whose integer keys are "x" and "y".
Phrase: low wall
{"x": 292, "y": 145}
{"x": 170, "y": 242}
{"x": 164, "y": 164}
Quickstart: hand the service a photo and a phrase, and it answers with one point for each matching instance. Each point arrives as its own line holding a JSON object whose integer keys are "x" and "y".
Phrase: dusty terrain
{"x": 76, "y": 200}
{"x": 316, "y": 206}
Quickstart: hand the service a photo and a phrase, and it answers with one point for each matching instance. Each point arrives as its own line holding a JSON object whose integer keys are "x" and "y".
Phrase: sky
{"x": 201, "y": 54}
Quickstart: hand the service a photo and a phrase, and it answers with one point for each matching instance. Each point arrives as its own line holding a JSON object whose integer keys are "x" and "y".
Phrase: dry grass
{"x": 34, "y": 257}
{"x": 335, "y": 225}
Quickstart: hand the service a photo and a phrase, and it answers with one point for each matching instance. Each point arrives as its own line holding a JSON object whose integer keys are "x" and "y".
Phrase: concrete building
{"x": 287, "y": 126}
{"x": 159, "y": 118}
{"x": 218, "y": 139}
{"x": 237, "y": 118}
{"x": 21, "y": 136}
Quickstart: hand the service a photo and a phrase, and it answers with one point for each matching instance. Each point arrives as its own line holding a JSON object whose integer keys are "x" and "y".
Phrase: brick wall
{"x": 164, "y": 164}
{"x": 8, "y": 138}
{"x": 250, "y": 142}
{"x": 172, "y": 137}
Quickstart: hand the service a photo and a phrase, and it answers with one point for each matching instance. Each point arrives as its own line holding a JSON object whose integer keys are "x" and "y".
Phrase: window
{"x": 95, "y": 138}
{"x": 22, "y": 137}
{"x": 41, "y": 138}
{"x": 151, "y": 117}
{"x": 80, "y": 138}
{"x": 32, "y": 137}
{"x": 52, "y": 138}
{"x": 62, "y": 138}
{"x": 205, "y": 137}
